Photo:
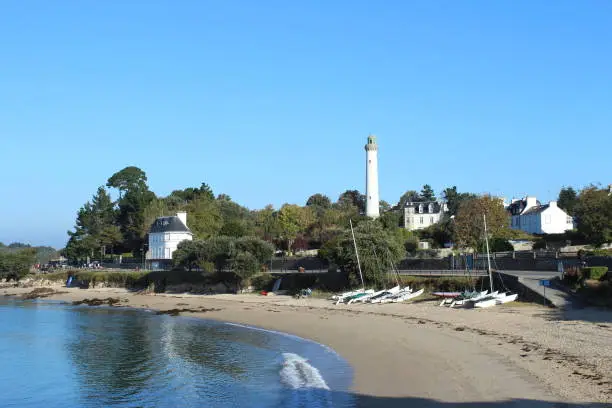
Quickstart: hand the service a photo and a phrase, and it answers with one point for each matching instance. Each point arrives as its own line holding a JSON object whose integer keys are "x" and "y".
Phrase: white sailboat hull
{"x": 506, "y": 299}
{"x": 408, "y": 296}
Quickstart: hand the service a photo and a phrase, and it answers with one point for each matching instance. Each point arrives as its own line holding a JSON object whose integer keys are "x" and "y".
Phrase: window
{"x": 421, "y": 219}
{"x": 570, "y": 220}
{"x": 421, "y": 210}
{"x": 430, "y": 210}
{"x": 431, "y": 221}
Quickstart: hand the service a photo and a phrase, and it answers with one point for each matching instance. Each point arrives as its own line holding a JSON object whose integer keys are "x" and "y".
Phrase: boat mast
{"x": 357, "y": 254}
{"x": 484, "y": 217}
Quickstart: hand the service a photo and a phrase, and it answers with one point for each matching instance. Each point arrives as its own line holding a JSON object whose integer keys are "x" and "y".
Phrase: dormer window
{"x": 430, "y": 209}
{"x": 420, "y": 208}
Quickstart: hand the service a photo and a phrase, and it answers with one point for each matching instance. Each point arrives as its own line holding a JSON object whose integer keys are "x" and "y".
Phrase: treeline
{"x": 105, "y": 226}
{"x": 15, "y": 262}
{"x": 591, "y": 208}
{"x": 43, "y": 254}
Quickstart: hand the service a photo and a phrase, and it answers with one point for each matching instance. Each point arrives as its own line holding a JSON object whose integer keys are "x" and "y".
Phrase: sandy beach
{"x": 423, "y": 355}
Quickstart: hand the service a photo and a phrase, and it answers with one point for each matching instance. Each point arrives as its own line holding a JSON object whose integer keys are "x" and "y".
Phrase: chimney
{"x": 182, "y": 215}
{"x": 552, "y": 204}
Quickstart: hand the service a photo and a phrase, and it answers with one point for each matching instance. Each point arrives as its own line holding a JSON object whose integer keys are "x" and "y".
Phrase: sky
{"x": 272, "y": 101}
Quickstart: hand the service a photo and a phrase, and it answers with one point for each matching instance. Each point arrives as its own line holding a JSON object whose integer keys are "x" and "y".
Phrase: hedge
{"x": 594, "y": 272}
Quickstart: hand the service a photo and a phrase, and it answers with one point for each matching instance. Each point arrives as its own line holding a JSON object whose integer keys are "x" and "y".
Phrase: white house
{"x": 164, "y": 236}
{"x": 419, "y": 215}
{"x": 531, "y": 216}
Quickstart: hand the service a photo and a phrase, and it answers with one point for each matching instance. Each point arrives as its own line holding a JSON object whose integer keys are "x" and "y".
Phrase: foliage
{"x": 568, "y": 198}
{"x": 593, "y": 213}
{"x": 539, "y": 244}
{"x": 469, "y": 222}
{"x": 594, "y": 272}
{"x": 378, "y": 250}
{"x": 427, "y": 193}
{"x": 318, "y": 202}
{"x": 407, "y": 197}
{"x": 497, "y": 245}
{"x": 245, "y": 265}
{"x": 454, "y": 199}
{"x": 293, "y": 219}
{"x": 439, "y": 234}
{"x": 16, "y": 264}
{"x": 352, "y": 201}
{"x": 243, "y": 256}
{"x": 96, "y": 230}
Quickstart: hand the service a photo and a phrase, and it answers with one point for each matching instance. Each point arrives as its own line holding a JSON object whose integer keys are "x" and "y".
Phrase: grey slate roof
{"x": 517, "y": 207}
{"x": 437, "y": 207}
{"x": 536, "y": 209}
{"x": 168, "y": 224}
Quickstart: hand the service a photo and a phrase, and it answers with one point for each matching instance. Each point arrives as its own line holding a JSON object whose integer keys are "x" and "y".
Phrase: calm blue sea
{"x": 56, "y": 355}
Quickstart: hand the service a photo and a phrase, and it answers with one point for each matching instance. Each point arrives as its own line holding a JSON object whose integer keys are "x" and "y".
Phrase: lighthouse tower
{"x": 372, "y": 200}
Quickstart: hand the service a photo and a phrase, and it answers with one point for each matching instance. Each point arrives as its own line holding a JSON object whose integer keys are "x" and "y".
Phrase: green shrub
{"x": 264, "y": 281}
{"x": 594, "y": 272}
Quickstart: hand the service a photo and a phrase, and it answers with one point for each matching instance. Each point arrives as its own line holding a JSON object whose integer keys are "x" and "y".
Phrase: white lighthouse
{"x": 372, "y": 200}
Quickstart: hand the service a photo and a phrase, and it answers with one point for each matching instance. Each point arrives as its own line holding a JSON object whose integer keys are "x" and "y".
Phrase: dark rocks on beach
{"x": 97, "y": 302}
{"x": 176, "y": 312}
{"x": 40, "y": 293}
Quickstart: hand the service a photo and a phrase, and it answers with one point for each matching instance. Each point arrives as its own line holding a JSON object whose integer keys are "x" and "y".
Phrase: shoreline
{"x": 420, "y": 354}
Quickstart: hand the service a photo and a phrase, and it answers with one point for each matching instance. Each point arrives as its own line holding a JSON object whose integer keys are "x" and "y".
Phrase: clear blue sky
{"x": 272, "y": 101}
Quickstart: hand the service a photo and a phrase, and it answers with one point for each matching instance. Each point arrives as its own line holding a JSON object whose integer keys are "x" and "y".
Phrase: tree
{"x": 469, "y": 223}
{"x": 191, "y": 193}
{"x": 352, "y": 198}
{"x": 129, "y": 179}
{"x": 261, "y": 250}
{"x": 244, "y": 265}
{"x": 266, "y": 223}
{"x": 294, "y": 219}
{"x": 16, "y": 264}
{"x": 204, "y": 217}
{"x": 95, "y": 229}
{"x": 134, "y": 196}
{"x": 454, "y": 199}
{"x": 318, "y": 202}
{"x": 568, "y": 198}
{"x": 427, "y": 193}
{"x": 378, "y": 248}
{"x": 408, "y": 197}
{"x": 593, "y": 212}
{"x": 384, "y": 206}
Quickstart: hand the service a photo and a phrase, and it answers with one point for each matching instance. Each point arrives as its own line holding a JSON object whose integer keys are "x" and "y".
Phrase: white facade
{"x": 165, "y": 235}
{"x": 372, "y": 197}
{"x": 419, "y": 215}
{"x": 534, "y": 218}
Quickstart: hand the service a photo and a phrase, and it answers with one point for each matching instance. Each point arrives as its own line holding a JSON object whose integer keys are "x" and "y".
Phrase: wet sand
{"x": 420, "y": 354}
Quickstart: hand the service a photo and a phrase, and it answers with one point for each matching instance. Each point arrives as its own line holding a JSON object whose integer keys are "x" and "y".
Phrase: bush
{"x": 594, "y": 272}
{"x": 539, "y": 244}
{"x": 264, "y": 281}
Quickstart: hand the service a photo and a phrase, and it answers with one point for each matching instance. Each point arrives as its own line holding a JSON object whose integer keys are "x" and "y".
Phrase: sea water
{"x": 56, "y": 355}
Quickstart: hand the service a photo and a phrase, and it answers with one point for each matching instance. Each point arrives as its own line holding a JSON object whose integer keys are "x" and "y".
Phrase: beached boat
{"x": 507, "y": 298}
{"x": 390, "y": 294}
{"x": 467, "y": 298}
{"x": 407, "y": 296}
{"x": 446, "y": 294}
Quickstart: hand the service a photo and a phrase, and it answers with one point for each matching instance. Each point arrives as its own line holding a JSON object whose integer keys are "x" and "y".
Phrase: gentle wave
{"x": 307, "y": 388}
{"x": 298, "y": 373}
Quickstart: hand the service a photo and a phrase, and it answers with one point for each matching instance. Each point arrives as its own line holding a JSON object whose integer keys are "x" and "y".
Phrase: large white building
{"x": 419, "y": 215}
{"x": 531, "y": 216}
{"x": 164, "y": 236}
{"x": 372, "y": 198}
